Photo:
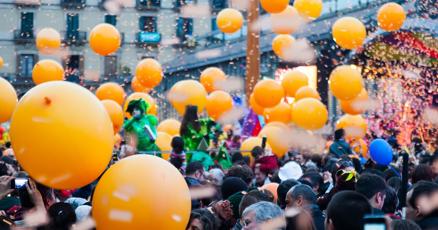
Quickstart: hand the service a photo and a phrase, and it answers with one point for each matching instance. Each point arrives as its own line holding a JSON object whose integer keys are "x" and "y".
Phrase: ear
{"x": 300, "y": 201}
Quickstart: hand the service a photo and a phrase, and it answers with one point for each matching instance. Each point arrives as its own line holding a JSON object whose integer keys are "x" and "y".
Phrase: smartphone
{"x": 374, "y": 222}
{"x": 19, "y": 182}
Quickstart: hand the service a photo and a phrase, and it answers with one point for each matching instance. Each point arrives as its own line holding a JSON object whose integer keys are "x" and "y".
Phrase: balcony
{"x": 75, "y": 38}
{"x": 23, "y": 37}
{"x": 144, "y": 39}
{"x": 73, "y": 4}
{"x": 152, "y": 5}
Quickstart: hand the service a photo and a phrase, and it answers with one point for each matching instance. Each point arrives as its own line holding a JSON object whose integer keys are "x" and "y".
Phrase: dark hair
{"x": 391, "y": 201}
{"x": 253, "y": 197}
{"x": 190, "y": 119}
{"x": 244, "y": 172}
{"x": 62, "y": 216}
{"x": 232, "y": 185}
{"x": 304, "y": 191}
{"x": 282, "y": 190}
{"x": 347, "y": 209}
{"x": 315, "y": 179}
{"x": 194, "y": 166}
{"x": 257, "y": 151}
{"x": 236, "y": 158}
{"x": 206, "y": 218}
{"x": 404, "y": 225}
{"x": 339, "y": 134}
{"x": 177, "y": 144}
{"x": 395, "y": 183}
{"x": 370, "y": 184}
{"x": 422, "y": 172}
{"x": 8, "y": 144}
{"x": 422, "y": 188}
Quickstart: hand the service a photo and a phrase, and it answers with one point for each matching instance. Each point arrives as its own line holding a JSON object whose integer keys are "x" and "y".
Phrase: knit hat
{"x": 232, "y": 185}
{"x": 235, "y": 200}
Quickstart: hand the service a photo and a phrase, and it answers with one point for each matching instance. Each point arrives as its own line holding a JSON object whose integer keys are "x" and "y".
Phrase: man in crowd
{"x": 340, "y": 146}
{"x": 373, "y": 187}
{"x": 254, "y": 216}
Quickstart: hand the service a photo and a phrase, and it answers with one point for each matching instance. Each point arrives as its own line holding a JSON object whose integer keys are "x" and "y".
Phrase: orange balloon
{"x": 255, "y": 107}
{"x": 229, "y": 20}
{"x": 8, "y": 100}
{"x": 136, "y": 86}
{"x": 62, "y": 135}
{"x": 251, "y": 142}
{"x": 346, "y": 82}
{"x": 169, "y": 126}
{"x": 126, "y": 199}
{"x": 47, "y": 70}
{"x": 272, "y": 187}
{"x": 111, "y": 91}
{"x": 210, "y": 78}
{"x": 163, "y": 142}
{"x": 115, "y": 112}
{"x": 309, "y": 8}
{"x": 135, "y": 96}
{"x": 357, "y": 105}
{"x": 285, "y": 22}
{"x": 1, "y": 62}
{"x": 391, "y": 16}
{"x": 292, "y": 81}
{"x": 281, "y": 113}
{"x": 355, "y": 126}
{"x": 277, "y": 138}
{"x": 309, "y": 113}
{"x": 218, "y": 103}
{"x": 282, "y": 44}
{"x": 274, "y": 6}
{"x": 149, "y": 72}
{"x": 268, "y": 93}
{"x": 349, "y": 32}
{"x": 48, "y": 41}
{"x": 104, "y": 39}
{"x": 306, "y": 92}
{"x": 187, "y": 92}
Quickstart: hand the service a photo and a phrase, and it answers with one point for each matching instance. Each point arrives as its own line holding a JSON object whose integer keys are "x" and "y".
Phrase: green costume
{"x": 138, "y": 124}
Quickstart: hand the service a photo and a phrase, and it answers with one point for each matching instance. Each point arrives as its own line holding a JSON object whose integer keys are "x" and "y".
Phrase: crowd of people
{"x": 332, "y": 190}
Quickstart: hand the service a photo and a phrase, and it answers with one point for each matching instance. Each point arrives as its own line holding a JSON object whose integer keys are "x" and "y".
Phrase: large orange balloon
{"x": 282, "y": 44}
{"x": 391, "y": 16}
{"x": 62, "y": 135}
{"x": 255, "y": 107}
{"x": 127, "y": 199}
{"x": 349, "y": 32}
{"x": 346, "y": 82}
{"x": 357, "y": 105}
{"x": 111, "y": 91}
{"x": 104, "y": 39}
{"x": 218, "y": 103}
{"x": 309, "y": 8}
{"x": 274, "y": 6}
{"x": 306, "y": 92}
{"x": 48, "y": 41}
{"x": 136, "y": 86}
{"x": 8, "y": 100}
{"x": 149, "y": 72}
{"x": 115, "y": 112}
{"x": 248, "y": 144}
{"x": 280, "y": 113}
{"x": 135, "y": 96}
{"x": 309, "y": 113}
{"x": 285, "y": 22}
{"x": 187, "y": 92}
{"x": 169, "y": 126}
{"x": 229, "y": 20}
{"x": 355, "y": 126}
{"x": 292, "y": 81}
{"x": 268, "y": 93}
{"x": 47, "y": 70}
{"x": 210, "y": 78}
{"x": 271, "y": 187}
{"x": 277, "y": 138}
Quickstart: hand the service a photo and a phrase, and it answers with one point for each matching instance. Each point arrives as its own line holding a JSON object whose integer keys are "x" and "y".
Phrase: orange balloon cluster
{"x": 282, "y": 44}
{"x": 153, "y": 108}
{"x": 136, "y": 86}
{"x": 349, "y": 32}
{"x": 306, "y": 92}
{"x": 187, "y": 92}
{"x": 292, "y": 81}
{"x": 346, "y": 82}
{"x": 104, "y": 39}
{"x": 218, "y": 103}
{"x": 115, "y": 112}
{"x": 275, "y": 133}
{"x": 48, "y": 41}
{"x": 47, "y": 70}
{"x": 268, "y": 93}
{"x": 149, "y": 72}
{"x": 211, "y": 78}
{"x": 355, "y": 126}
{"x": 229, "y": 20}
{"x": 8, "y": 100}
{"x": 391, "y": 16}
{"x": 274, "y": 6}
{"x": 111, "y": 91}
{"x": 280, "y": 113}
{"x": 254, "y": 106}
{"x": 309, "y": 113}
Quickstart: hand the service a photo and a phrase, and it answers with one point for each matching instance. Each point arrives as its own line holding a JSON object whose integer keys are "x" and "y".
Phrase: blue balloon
{"x": 381, "y": 152}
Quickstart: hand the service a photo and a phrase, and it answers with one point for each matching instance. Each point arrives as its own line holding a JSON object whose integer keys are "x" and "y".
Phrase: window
{"x": 74, "y": 68}
{"x": 27, "y": 22}
{"x": 110, "y": 66}
{"x": 179, "y": 3}
{"x": 214, "y": 25}
{"x": 72, "y": 24}
{"x": 25, "y": 64}
{"x": 148, "y": 24}
{"x": 184, "y": 28}
{"x": 218, "y": 4}
{"x": 73, "y": 4}
{"x": 111, "y": 19}
{"x": 148, "y": 4}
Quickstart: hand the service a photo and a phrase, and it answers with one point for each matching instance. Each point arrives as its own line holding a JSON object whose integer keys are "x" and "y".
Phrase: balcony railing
{"x": 75, "y": 38}
{"x": 73, "y": 4}
{"x": 148, "y": 4}
{"x": 144, "y": 38}
{"x": 21, "y": 37}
